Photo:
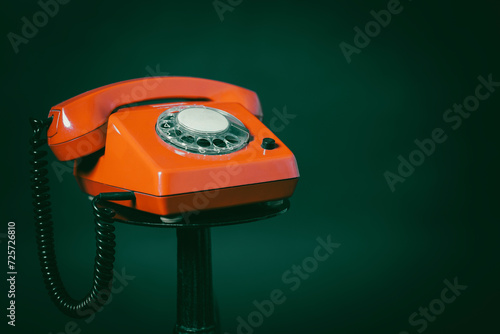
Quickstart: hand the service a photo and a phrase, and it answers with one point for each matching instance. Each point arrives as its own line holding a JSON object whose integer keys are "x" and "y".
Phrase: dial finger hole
{"x": 232, "y": 139}
{"x": 219, "y": 142}
{"x": 174, "y": 133}
{"x": 188, "y": 139}
{"x": 203, "y": 142}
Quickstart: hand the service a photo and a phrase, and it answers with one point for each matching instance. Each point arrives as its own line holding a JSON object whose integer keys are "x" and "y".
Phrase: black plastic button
{"x": 268, "y": 144}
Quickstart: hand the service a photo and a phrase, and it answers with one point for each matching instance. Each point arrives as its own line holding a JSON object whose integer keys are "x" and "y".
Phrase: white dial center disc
{"x": 202, "y": 120}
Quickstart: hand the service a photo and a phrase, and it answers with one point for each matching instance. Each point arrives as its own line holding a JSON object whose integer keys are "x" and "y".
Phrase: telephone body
{"x": 206, "y": 139}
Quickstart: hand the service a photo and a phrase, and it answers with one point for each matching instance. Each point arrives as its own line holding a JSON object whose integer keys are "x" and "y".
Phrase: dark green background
{"x": 352, "y": 121}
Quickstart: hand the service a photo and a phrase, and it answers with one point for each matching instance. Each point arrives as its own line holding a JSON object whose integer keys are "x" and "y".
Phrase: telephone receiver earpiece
{"x": 83, "y": 116}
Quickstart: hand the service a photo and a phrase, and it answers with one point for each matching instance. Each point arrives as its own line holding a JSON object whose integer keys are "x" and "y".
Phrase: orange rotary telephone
{"x": 166, "y": 153}
{"x": 167, "y": 146}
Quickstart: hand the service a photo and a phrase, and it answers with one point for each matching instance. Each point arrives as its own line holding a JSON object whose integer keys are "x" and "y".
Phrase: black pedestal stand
{"x": 195, "y": 301}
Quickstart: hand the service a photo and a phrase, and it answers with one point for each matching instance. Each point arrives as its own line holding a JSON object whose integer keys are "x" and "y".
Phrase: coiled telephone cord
{"x": 104, "y": 228}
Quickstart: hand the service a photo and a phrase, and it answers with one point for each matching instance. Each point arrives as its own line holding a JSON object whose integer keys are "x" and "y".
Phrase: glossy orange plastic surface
{"x": 77, "y": 128}
{"x": 165, "y": 178}
{"x": 121, "y": 151}
{"x": 198, "y": 201}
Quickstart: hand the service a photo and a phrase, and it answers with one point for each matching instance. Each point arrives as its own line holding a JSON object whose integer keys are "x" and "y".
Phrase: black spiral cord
{"x": 105, "y": 237}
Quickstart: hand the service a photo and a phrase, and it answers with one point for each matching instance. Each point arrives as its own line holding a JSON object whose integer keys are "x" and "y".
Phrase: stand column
{"x": 195, "y": 300}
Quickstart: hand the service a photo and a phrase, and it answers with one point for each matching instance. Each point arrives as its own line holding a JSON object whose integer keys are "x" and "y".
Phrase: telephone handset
{"x": 76, "y": 119}
{"x": 169, "y": 159}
